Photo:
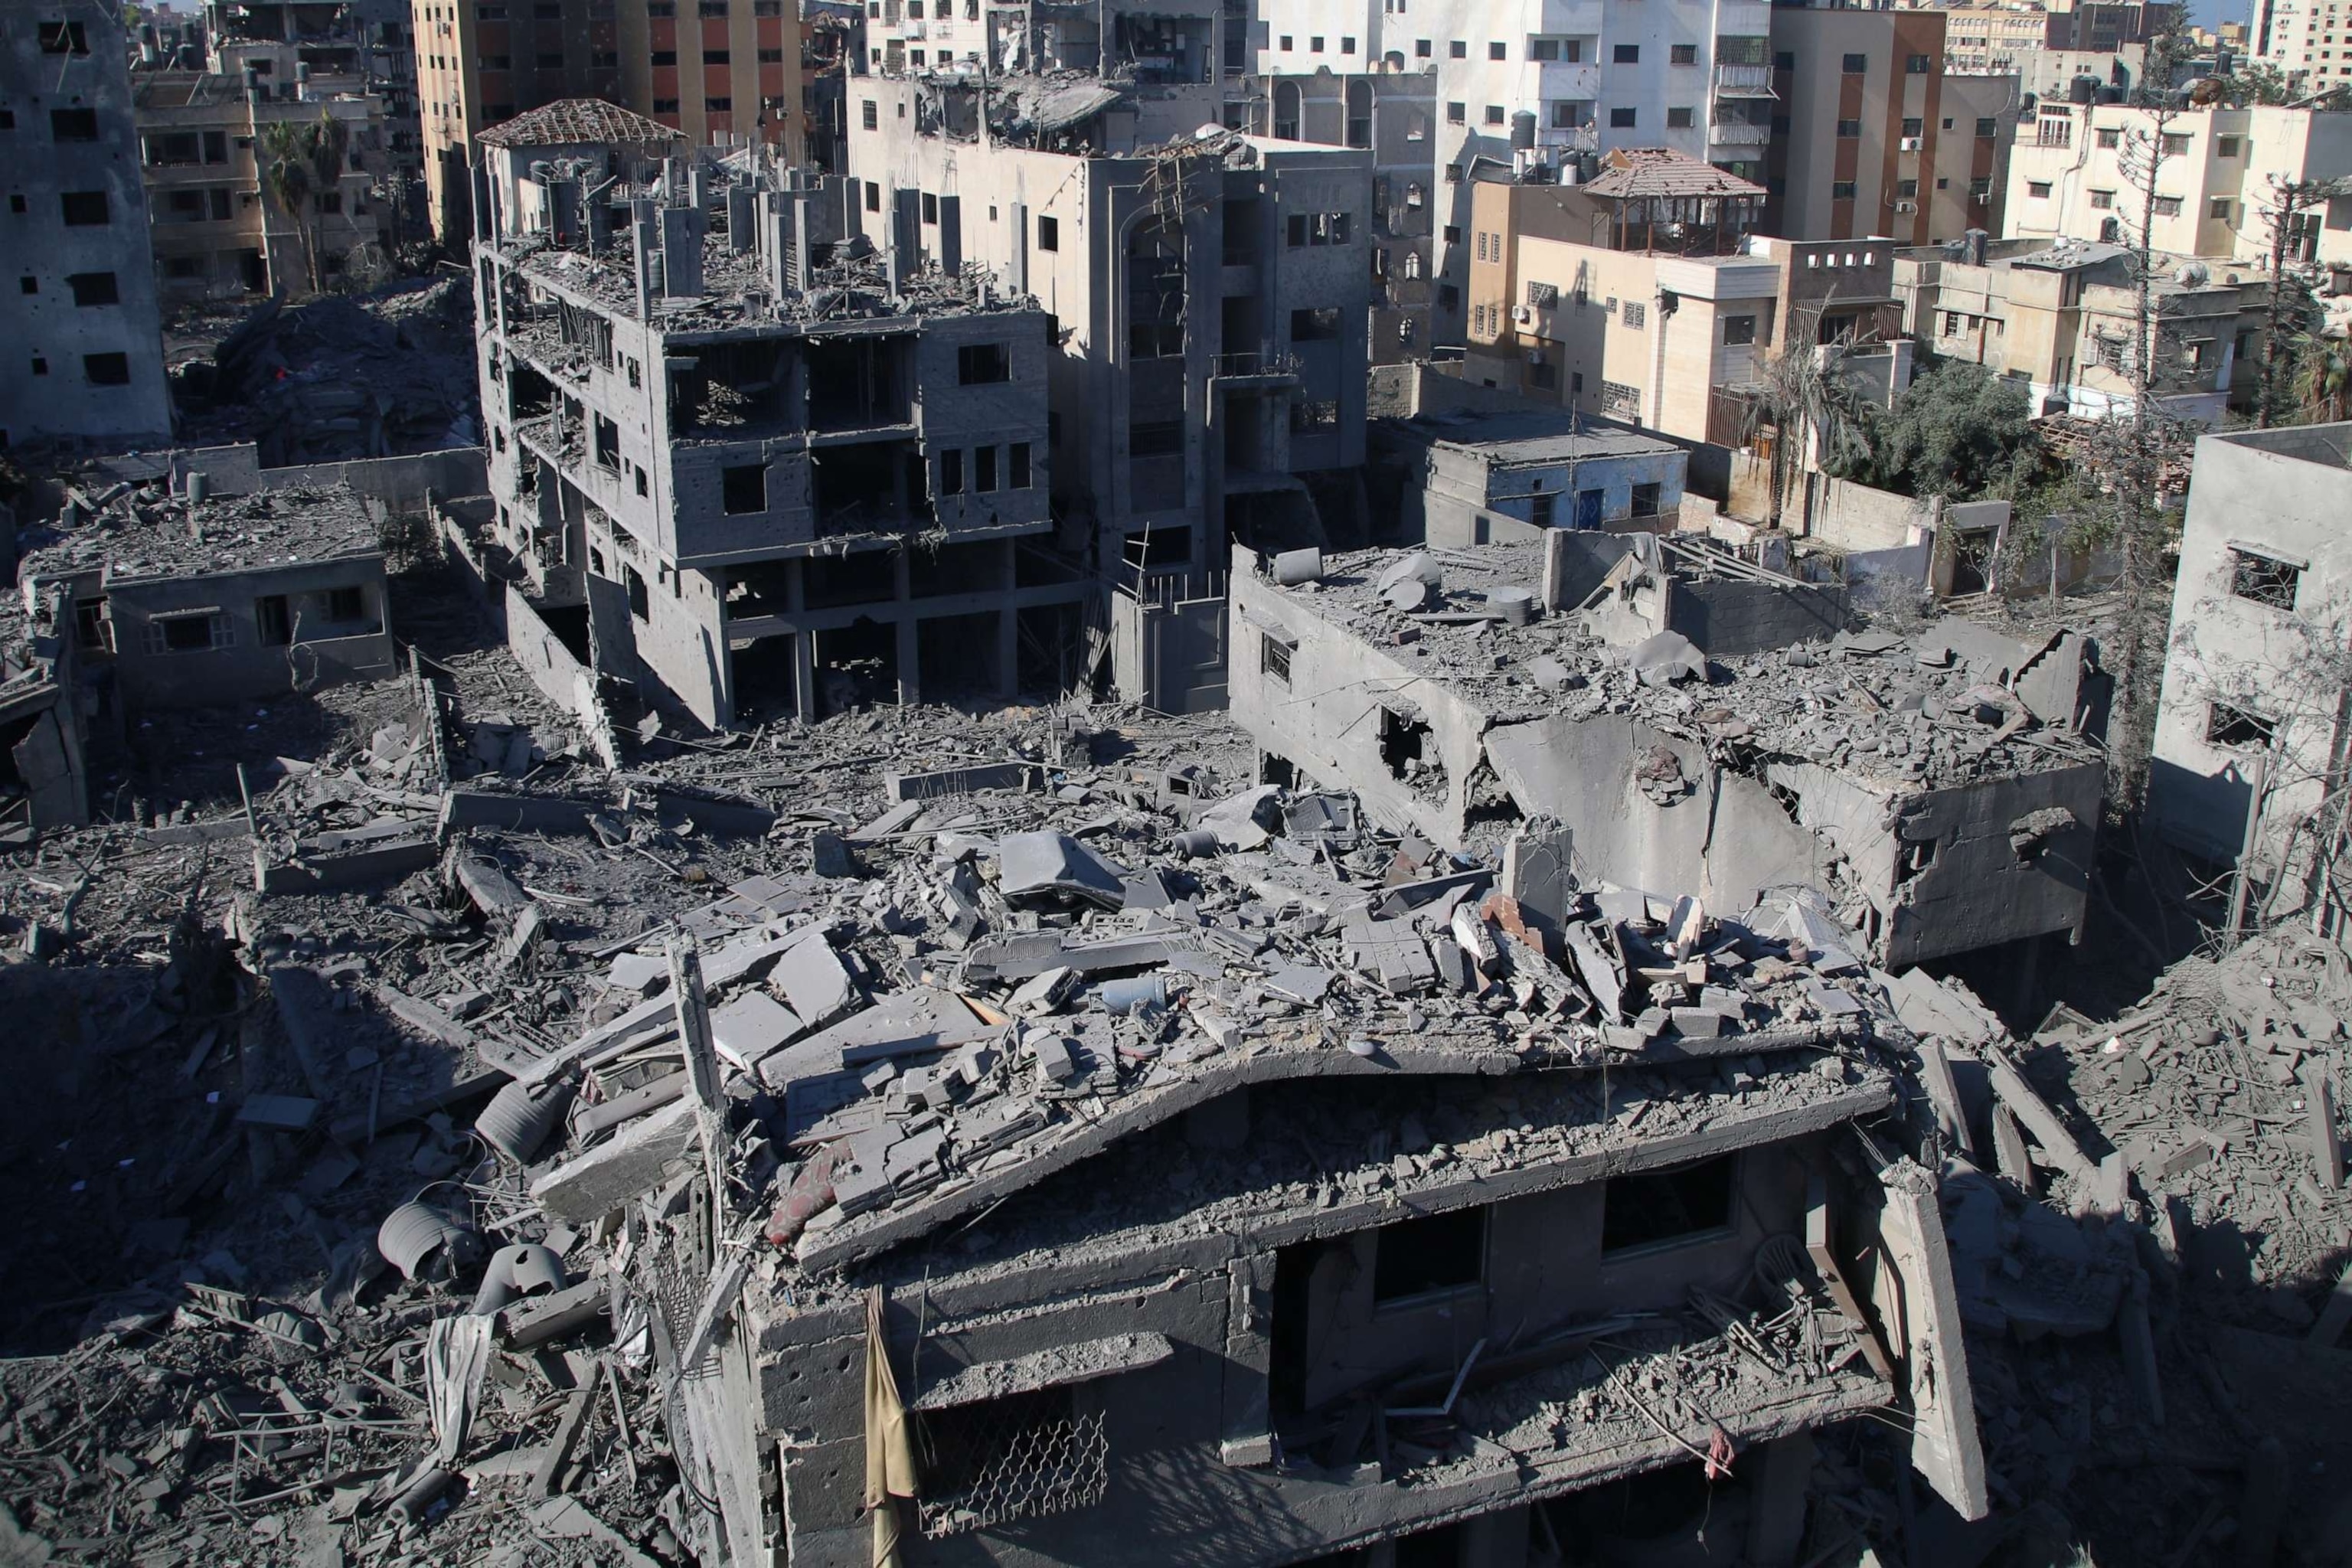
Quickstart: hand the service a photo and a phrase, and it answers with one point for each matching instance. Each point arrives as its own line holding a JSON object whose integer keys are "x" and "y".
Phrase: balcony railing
{"x": 1726, "y": 134}
{"x": 1744, "y": 82}
{"x": 1255, "y": 361}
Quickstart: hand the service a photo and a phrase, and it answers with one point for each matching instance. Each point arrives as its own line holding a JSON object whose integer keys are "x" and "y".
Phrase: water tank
{"x": 1523, "y": 131}
{"x": 2082, "y": 89}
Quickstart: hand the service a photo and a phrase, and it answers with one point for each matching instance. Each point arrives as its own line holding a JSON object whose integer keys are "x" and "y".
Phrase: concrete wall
{"x": 2283, "y": 494}
{"x": 240, "y": 665}
{"x": 560, "y": 676}
{"x": 403, "y": 483}
{"x": 49, "y": 385}
{"x": 1730, "y": 616}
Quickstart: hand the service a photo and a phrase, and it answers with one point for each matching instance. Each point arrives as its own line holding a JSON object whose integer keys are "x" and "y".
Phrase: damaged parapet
{"x": 1564, "y": 1182}
{"x": 1942, "y": 789}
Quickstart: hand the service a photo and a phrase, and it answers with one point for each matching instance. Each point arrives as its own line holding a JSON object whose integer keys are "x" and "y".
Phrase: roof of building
{"x": 1530, "y": 435}
{"x": 1635, "y": 173}
{"x": 136, "y": 533}
{"x": 578, "y": 122}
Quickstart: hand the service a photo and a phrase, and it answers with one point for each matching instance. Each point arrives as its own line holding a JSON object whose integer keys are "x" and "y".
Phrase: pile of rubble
{"x": 338, "y": 378}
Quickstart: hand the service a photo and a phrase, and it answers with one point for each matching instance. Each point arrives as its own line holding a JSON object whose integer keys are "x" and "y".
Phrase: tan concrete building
{"x": 1860, "y": 126}
{"x": 714, "y": 70}
{"x": 2061, "y": 318}
{"x": 216, "y": 231}
{"x": 1970, "y": 188}
{"x": 1630, "y": 333}
{"x": 2081, "y": 172}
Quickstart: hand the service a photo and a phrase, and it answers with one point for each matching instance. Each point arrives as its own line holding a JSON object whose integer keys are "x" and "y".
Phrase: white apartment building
{"x": 2311, "y": 40}
{"x": 2078, "y": 171}
{"x": 1537, "y": 81}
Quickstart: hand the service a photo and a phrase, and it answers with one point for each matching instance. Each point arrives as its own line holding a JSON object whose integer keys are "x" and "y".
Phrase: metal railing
{"x": 1743, "y": 78}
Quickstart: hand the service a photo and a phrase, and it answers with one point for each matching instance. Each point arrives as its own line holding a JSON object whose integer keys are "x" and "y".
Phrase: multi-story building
{"x": 2000, "y": 37}
{"x": 81, "y": 321}
{"x": 2310, "y": 40}
{"x": 1862, "y": 116}
{"x": 2063, "y": 319}
{"x": 1976, "y": 130}
{"x": 2254, "y": 704}
{"x": 341, "y": 49}
{"x": 1573, "y": 303}
{"x": 1168, "y": 42}
{"x": 2084, "y": 171}
{"x": 758, "y": 471}
{"x": 221, "y": 223}
{"x": 1529, "y": 87}
{"x": 1210, "y": 299}
{"x": 720, "y": 71}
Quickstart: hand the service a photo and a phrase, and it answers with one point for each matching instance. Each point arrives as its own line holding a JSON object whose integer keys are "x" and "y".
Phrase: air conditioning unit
{"x": 1523, "y": 315}
{"x": 1911, "y": 143}
{"x": 1906, "y": 206}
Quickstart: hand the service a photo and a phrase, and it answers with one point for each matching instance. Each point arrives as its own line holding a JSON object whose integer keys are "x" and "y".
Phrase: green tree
{"x": 300, "y": 163}
{"x": 1958, "y": 431}
{"x": 2323, "y": 378}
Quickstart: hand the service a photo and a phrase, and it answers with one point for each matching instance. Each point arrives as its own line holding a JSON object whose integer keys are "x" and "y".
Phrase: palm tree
{"x": 286, "y": 168}
{"x": 1799, "y": 399}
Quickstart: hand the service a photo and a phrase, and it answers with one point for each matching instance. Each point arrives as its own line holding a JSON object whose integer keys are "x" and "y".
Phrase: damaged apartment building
{"x": 1138, "y": 42}
{"x": 1369, "y": 1202}
{"x": 1206, "y": 300}
{"x": 1695, "y": 722}
{"x": 741, "y": 465}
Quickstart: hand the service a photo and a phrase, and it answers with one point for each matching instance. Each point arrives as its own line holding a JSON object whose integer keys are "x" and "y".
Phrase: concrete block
{"x": 957, "y": 781}
{"x": 635, "y": 1160}
{"x": 752, "y": 1026}
{"x": 278, "y": 1112}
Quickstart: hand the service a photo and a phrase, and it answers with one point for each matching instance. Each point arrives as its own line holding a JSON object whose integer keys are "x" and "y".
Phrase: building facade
{"x": 340, "y": 50}
{"x": 2084, "y": 171}
{"x": 1863, "y": 125}
{"x": 739, "y": 502}
{"x": 222, "y": 226}
{"x": 2254, "y": 708}
{"x": 719, "y": 71}
{"x": 81, "y": 319}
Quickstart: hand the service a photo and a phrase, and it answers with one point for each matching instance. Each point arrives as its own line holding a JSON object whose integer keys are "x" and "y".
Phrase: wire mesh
{"x": 1019, "y": 1457}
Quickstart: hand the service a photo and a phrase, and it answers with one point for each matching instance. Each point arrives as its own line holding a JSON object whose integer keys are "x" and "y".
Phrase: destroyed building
{"x": 752, "y": 468}
{"x": 1696, "y": 722}
{"x": 295, "y": 48}
{"x": 85, "y": 333}
{"x": 1208, "y": 299}
{"x": 1144, "y": 42}
{"x": 138, "y": 600}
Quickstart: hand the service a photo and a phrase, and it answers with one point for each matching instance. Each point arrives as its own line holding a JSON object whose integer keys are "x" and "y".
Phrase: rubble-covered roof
{"x": 1904, "y": 708}
{"x": 1631, "y": 174}
{"x": 135, "y": 531}
{"x": 578, "y": 122}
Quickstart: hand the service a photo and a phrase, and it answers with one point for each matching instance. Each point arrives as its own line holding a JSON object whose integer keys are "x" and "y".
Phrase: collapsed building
{"x": 748, "y": 467}
{"x": 1696, "y": 722}
{"x": 141, "y": 598}
{"x": 1209, "y": 294}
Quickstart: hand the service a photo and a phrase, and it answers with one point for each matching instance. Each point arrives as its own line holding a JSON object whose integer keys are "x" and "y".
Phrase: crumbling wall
{"x": 1648, "y": 810}
{"x": 1995, "y": 876}
{"x": 241, "y": 661}
{"x": 564, "y": 681}
{"x": 1857, "y": 517}
{"x": 1730, "y": 616}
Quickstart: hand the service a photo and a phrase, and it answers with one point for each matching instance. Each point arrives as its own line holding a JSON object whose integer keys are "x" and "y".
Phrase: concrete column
{"x": 910, "y": 641}
{"x": 1778, "y": 1474}
{"x": 804, "y": 699}
{"x": 1008, "y": 629}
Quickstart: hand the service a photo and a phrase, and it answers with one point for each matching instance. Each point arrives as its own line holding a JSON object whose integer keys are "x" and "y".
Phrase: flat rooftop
{"x": 1528, "y": 436}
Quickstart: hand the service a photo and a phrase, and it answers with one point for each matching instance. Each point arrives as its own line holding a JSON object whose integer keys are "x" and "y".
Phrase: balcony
{"x": 1572, "y": 138}
{"x": 1258, "y": 365}
{"x": 1578, "y": 80}
{"x": 1728, "y": 133}
{"x": 1743, "y": 81}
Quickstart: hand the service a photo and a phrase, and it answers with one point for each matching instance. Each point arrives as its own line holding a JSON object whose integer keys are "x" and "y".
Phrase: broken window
{"x": 346, "y": 605}
{"x": 75, "y": 125}
{"x": 1021, "y": 1456}
{"x": 1428, "y": 1253}
{"x": 92, "y": 629}
{"x": 983, "y": 469}
{"x": 608, "y": 444}
{"x": 951, "y": 473}
{"x": 64, "y": 38}
{"x": 1312, "y": 417}
{"x": 271, "y": 614}
{"x": 743, "y": 488}
{"x": 1274, "y": 658}
{"x": 2237, "y": 727}
{"x": 189, "y": 631}
{"x": 107, "y": 370}
{"x": 640, "y": 602}
{"x": 2263, "y": 578}
{"x": 1646, "y": 501}
{"x": 94, "y": 288}
{"x": 1020, "y": 478}
{"x": 980, "y": 365}
{"x": 1316, "y": 325}
{"x": 1049, "y": 234}
{"x": 81, "y": 209}
{"x": 1648, "y": 1208}
{"x": 1403, "y": 740}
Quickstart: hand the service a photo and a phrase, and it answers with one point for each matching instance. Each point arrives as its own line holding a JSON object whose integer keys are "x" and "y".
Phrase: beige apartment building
{"x": 2061, "y": 320}
{"x": 1572, "y": 303}
{"x": 1860, "y": 124}
{"x": 2082, "y": 171}
{"x": 218, "y": 232}
{"x": 716, "y": 70}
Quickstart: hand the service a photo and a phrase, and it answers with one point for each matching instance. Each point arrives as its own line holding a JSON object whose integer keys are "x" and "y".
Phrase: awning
{"x": 1063, "y": 1364}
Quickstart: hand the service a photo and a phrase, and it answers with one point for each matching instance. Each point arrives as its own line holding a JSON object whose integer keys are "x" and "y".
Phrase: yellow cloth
{"x": 889, "y": 1445}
